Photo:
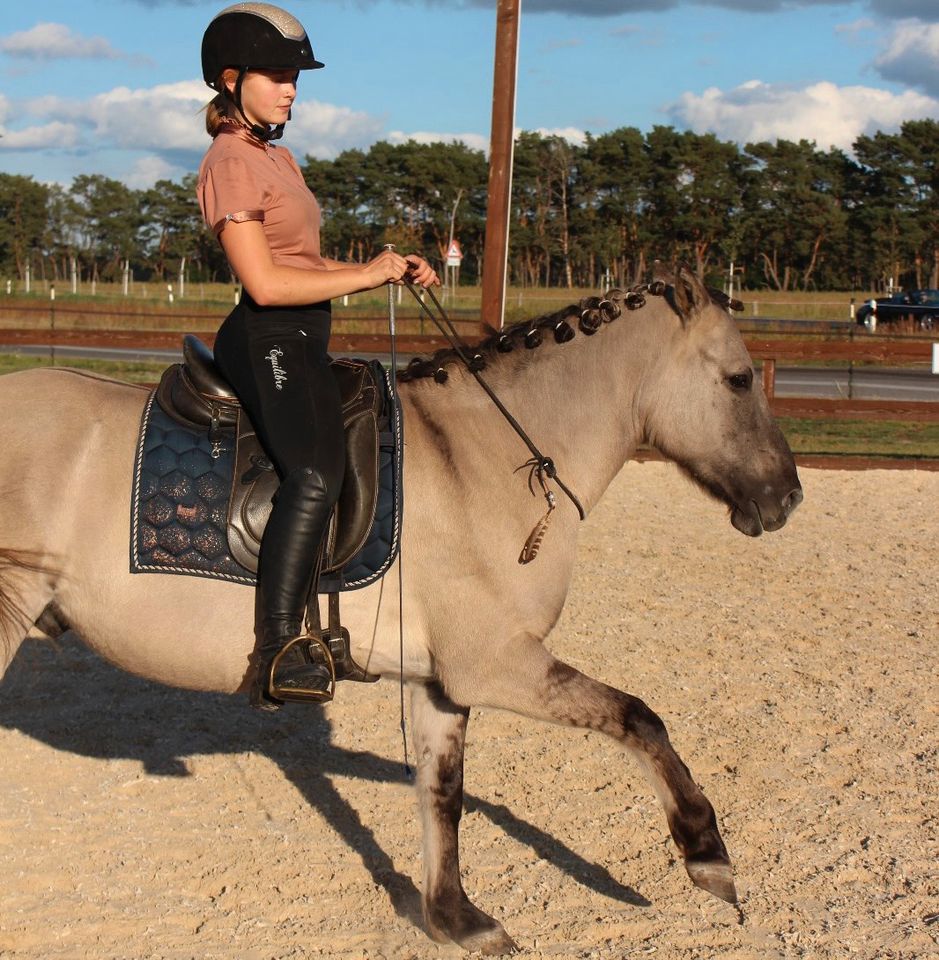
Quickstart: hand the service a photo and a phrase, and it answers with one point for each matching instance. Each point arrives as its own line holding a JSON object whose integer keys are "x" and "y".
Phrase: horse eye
{"x": 741, "y": 381}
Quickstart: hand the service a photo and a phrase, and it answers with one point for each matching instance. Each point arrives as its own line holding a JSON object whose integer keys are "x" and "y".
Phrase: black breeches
{"x": 276, "y": 360}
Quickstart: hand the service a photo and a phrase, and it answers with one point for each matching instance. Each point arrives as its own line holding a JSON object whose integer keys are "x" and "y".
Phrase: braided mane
{"x": 588, "y": 315}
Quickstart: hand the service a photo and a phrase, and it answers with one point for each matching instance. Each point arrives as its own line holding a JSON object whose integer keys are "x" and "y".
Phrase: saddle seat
{"x": 203, "y": 372}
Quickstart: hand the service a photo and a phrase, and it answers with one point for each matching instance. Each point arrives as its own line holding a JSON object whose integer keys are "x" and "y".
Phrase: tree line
{"x": 787, "y": 215}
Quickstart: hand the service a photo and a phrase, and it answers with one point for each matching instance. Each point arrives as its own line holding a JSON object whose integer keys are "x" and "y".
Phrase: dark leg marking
{"x": 529, "y": 681}
{"x": 584, "y": 702}
{"x": 440, "y": 733}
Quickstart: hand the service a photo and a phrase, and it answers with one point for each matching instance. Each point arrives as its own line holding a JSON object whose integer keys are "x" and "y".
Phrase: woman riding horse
{"x": 272, "y": 346}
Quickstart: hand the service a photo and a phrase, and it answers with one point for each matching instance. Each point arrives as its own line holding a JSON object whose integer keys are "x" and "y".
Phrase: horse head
{"x": 702, "y": 408}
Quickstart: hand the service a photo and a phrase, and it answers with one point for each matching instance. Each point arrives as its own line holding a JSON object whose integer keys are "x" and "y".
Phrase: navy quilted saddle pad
{"x": 179, "y": 507}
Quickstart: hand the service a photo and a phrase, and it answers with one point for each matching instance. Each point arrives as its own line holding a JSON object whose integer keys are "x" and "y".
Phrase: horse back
{"x": 65, "y": 434}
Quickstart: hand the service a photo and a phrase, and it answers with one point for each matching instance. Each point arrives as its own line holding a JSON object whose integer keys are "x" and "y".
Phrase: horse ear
{"x": 661, "y": 273}
{"x": 690, "y": 295}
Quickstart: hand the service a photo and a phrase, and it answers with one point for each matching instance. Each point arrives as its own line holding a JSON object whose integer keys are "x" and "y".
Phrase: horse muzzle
{"x": 754, "y": 517}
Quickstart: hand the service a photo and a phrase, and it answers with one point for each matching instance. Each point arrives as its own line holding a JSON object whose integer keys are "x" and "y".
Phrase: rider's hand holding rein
{"x": 421, "y": 272}
{"x": 391, "y": 267}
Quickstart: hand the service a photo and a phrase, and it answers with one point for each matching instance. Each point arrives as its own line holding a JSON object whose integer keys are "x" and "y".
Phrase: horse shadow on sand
{"x": 67, "y": 697}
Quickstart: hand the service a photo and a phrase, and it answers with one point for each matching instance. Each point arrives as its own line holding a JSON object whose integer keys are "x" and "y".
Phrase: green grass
{"x": 867, "y": 438}
{"x": 130, "y": 371}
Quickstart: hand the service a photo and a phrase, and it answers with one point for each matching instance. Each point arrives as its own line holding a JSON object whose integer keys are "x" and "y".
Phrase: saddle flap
{"x": 255, "y": 481}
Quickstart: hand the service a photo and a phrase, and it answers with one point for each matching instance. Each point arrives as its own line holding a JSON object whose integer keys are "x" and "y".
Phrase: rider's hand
{"x": 387, "y": 267}
{"x": 420, "y": 271}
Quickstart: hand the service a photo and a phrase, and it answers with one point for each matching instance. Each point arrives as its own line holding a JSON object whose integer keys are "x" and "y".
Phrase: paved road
{"x": 863, "y": 383}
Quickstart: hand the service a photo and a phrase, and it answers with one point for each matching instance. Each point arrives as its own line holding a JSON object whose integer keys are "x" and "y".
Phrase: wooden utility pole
{"x": 501, "y": 148}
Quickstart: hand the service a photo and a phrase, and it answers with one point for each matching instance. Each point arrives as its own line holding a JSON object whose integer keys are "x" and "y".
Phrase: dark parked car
{"x": 918, "y": 306}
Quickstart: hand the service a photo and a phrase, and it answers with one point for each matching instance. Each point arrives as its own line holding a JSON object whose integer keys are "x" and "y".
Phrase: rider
{"x": 272, "y": 346}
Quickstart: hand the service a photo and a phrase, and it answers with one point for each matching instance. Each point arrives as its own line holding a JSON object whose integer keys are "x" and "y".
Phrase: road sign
{"x": 454, "y": 254}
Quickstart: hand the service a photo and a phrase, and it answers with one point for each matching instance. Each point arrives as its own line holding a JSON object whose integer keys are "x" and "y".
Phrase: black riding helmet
{"x": 254, "y": 36}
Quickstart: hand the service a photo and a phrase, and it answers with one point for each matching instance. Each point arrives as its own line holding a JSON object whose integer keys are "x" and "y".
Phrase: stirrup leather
{"x": 335, "y": 637}
{"x": 315, "y": 651}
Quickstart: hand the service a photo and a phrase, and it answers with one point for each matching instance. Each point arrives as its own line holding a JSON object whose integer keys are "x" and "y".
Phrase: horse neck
{"x": 575, "y": 402}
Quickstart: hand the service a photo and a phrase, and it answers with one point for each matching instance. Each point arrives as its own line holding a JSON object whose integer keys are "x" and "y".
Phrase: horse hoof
{"x": 715, "y": 877}
{"x": 491, "y": 943}
{"x": 472, "y": 929}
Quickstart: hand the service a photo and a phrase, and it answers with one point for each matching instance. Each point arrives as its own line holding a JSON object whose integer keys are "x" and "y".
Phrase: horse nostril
{"x": 791, "y": 501}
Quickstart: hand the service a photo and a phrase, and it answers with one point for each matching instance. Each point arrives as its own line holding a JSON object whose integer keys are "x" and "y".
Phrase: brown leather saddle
{"x": 195, "y": 395}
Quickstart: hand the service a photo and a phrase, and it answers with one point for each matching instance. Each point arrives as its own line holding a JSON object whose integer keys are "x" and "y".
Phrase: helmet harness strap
{"x": 263, "y": 133}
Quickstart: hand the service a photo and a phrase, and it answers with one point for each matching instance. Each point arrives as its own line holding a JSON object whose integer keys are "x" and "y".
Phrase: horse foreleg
{"x": 439, "y": 732}
{"x": 25, "y": 590}
{"x": 530, "y": 681}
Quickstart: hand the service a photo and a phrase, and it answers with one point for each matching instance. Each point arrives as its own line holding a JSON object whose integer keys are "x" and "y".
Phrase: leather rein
{"x": 541, "y": 467}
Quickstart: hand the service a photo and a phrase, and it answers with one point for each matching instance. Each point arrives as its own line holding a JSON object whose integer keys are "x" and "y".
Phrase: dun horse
{"x": 673, "y": 372}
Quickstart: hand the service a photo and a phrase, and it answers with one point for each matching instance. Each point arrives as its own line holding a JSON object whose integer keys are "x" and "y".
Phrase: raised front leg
{"x": 439, "y": 731}
{"x": 525, "y": 678}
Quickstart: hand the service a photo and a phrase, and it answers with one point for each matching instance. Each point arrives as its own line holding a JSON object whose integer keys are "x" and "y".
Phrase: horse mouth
{"x": 750, "y": 520}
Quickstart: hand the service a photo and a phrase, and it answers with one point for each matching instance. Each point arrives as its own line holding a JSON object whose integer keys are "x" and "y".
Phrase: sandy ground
{"x": 796, "y": 674}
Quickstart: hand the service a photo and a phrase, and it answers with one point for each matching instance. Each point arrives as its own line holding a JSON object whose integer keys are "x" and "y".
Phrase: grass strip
{"x": 133, "y": 371}
{"x": 867, "y": 438}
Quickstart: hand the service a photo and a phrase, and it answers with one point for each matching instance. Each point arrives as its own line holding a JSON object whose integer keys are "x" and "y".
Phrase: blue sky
{"x": 114, "y": 86}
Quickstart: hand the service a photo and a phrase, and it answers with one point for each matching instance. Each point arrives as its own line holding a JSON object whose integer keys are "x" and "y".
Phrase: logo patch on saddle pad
{"x": 202, "y": 495}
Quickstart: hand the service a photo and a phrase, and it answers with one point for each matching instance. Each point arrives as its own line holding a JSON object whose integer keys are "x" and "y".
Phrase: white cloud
{"x": 55, "y": 41}
{"x": 571, "y": 134}
{"x": 161, "y": 118}
{"x": 325, "y": 130}
{"x": 165, "y": 117}
{"x": 147, "y": 170}
{"x": 54, "y": 134}
{"x": 166, "y": 120}
{"x": 475, "y": 141}
{"x": 912, "y": 56}
{"x": 823, "y": 112}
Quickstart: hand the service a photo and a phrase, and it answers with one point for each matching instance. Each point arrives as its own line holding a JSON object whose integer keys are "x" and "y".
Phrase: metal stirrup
{"x": 315, "y": 650}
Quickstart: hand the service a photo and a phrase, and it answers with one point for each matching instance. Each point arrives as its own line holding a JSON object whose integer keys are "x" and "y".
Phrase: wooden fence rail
{"x": 888, "y": 352}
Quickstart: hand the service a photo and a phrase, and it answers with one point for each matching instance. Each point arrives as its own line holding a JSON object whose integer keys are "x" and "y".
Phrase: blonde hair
{"x": 220, "y": 109}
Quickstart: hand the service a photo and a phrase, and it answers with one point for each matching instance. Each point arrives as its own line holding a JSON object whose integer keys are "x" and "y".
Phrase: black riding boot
{"x": 289, "y": 553}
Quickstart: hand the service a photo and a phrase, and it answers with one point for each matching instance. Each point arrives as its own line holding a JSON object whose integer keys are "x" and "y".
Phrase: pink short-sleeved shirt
{"x": 241, "y": 178}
